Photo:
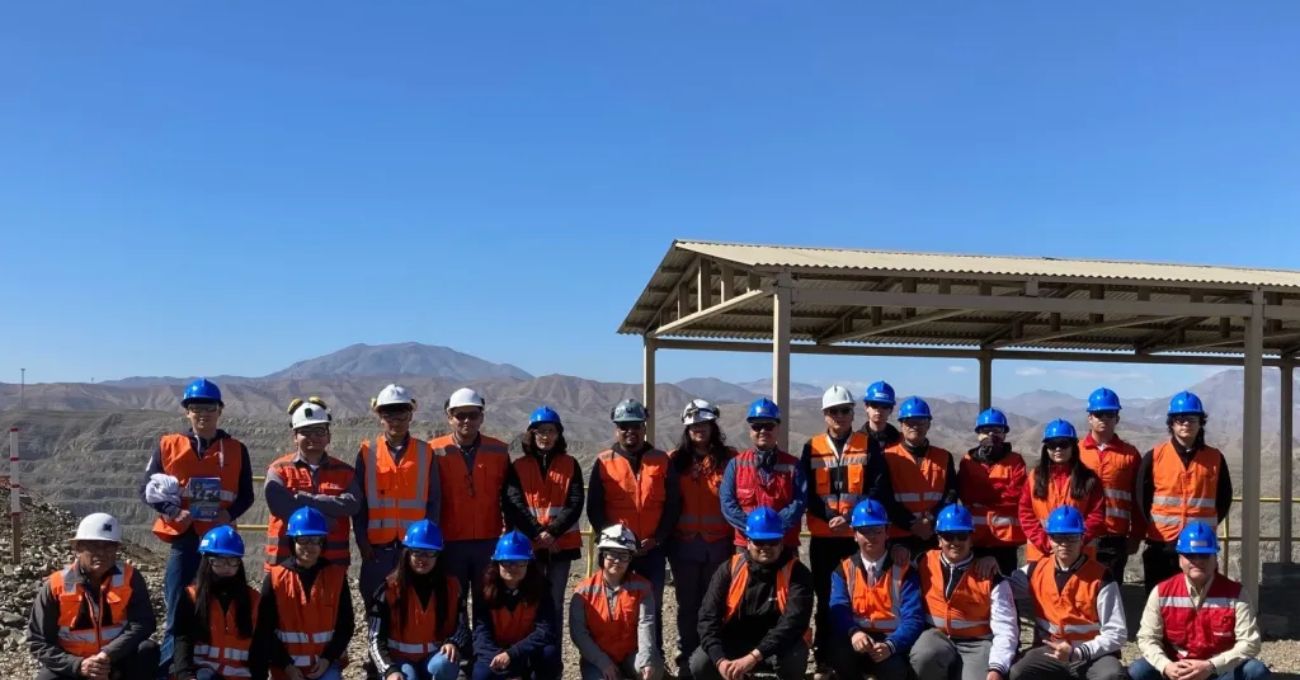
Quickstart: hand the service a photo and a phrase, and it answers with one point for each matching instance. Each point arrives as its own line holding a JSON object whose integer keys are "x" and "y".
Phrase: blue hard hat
{"x": 1197, "y": 538}
{"x": 954, "y": 518}
{"x": 222, "y": 540}
{"x": 544, "y": 414}
{"x": 914, "y": 407}
{"x": 764, "y": 409}
{"x": 1186, "y": 402}
{"x": 879, "y": 392}
{"x": 423, "y": 535}
{"x": 201, "y": 389}
{"x": 1103, "y": 399}
{"x": 992, "y": 418}
{"x": 763, "y": 524}
{"x": 513, "y": 546}
{"x": 868, "y": 513}
{"x": 1059, "y": 429}
{"x": 307, "y": 522}
{"x": 1065, "y": 520}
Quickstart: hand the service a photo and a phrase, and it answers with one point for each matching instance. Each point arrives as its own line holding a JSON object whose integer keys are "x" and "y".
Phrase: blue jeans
{"x": 1253, "y": 669}
{"x": 182, "y": 567}
{"x": 545, "y": 665}
{"x": 438, "y": 668}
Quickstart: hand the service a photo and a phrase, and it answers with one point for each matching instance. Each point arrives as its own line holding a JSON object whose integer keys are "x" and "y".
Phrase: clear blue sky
{"x": 196, "y": 188}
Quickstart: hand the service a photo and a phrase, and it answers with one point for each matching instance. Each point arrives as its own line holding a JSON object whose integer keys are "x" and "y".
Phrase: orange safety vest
{"x": 967, "y": 613}
{"x": 991, "y": 491}
{"x": 332, "y": 478}
{"x": 740, "y": 579}
{"x": 509, "y": 626}
{"x": 701, "y": 501}
{"x": 226, "y": 653}
{"x": 875, "y": 606}
{"x": 397, "y": 494}
{"x": 1058, "y": 494}
{"x": 838, "y": 502}
{"x": 614, "y": 630}
{"x": 546, "y": 495}
{"x": 223, "y": 459}
{"x": 421, "y": 630}
{"x": 307, "y": 620}
{"x": 471, "y": 499}
{"x": 1182, "y": 494}
{"x": 1071, "y": 613}
{"x": 636, "y": 500}
{"x": 917, "y": 485}
{"x": 776, "y": 491}
{"x": 1117, "y": 467}
{"x": 67, "y": 586}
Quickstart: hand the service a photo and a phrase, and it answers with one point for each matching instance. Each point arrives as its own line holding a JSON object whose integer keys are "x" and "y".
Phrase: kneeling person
{"x": 757, "y": 608}
{"x": 1196, "y": 624}
{"x": 875, "y": 604}
{"x": 1080, "y": 617}
{"x": 612, "y": 615}
{"x": 975, "y": 632}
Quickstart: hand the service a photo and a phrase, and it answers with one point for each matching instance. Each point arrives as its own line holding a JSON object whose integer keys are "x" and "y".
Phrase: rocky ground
{"x": 44, "y": 548}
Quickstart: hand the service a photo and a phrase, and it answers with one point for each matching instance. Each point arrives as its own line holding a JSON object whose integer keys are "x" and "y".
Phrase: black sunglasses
{"x": 954, "y": 537}
{"x": 627, "y": 427}
{"x": 762, "y": 427}
{"x": 840, "y": 411}
{"x": 768, "y": 543}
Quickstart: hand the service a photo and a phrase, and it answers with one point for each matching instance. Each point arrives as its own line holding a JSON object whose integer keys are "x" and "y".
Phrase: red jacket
{"x": 1033, "y": 516}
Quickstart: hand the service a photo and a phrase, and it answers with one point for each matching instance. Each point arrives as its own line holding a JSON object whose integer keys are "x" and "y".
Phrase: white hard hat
{"x": 699, "y": 411}
{"x": 465, "y": 397}
{"x": 394, "y": 395}
{"x": 836, "y": 395}
{"x": 310, "y": 412}
{"x": 617, "y": 537}
{"x": 99, "y": 526}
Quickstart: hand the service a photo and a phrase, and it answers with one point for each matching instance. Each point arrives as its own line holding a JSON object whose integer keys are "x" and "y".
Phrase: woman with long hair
{"x": 1059, "y": 478}
{"x": 515, "y": 629}
{"x": 215, "y": 619}
{"x": 702, "y": 541}
{"x": 543, "y": 499}
{"x": 612, "y": 615}
{"x": 416, "y": 624}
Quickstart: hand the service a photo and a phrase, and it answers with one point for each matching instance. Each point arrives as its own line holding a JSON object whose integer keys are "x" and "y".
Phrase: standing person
{"x": 975, "y": 633}
{"x": 1196, "y": 624}
{"x": 473, "y": 469}
{"x": 92, "y": 618}
{"x": 876, "y": 604}
{"x": 764, "y": 476}
{"x": 703, "y": 538}
{"x": 1181, "y": 481}
{"x": 632, "y": 483}
{"x": 215, "y": 619}
{"x": 305, "y": 611}
{"x": 843, "y": 468}
{"x": 516, "y": 632}
{"x": 399, "y": 486}
{"x": 611, "y": 615}
{"x": 544, "y": 495}
{"x": 923, "y": 476}
{"x": 417, "y": 626}
{"x": 1059, "y": 479}
{"x": 757, "y": 609}
{"x": 1080, "y": 617}
{"x": 878, "y": 403}
{"x": 194, "y": 480}
{"x": 1116, "y": 463}
{"x": 310, "y": 478}
{"x": 990, "y": 481}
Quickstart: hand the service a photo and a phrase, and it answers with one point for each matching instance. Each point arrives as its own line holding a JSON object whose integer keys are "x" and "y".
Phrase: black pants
{"x": 143, "y": 665}
{"x": 850, "y": 665}
{"x": 1037, "y": 665}
{"x": 1008, "y": 557}
{"x": 824, "y": 556}
{"x": 1159, "y": 562}
{"x": 1112, "y": 551}
{"x": 790, "y": 664}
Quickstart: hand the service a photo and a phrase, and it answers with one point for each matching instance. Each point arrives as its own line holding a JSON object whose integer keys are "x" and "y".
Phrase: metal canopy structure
{"x": 781, "y": 299}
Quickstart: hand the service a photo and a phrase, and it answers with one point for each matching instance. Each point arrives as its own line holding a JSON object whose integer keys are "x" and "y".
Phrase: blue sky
{"x": 192, "y": 188}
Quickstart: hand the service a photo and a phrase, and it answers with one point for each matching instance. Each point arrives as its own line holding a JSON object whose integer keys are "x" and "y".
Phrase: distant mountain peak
{"x": 398, "y": 359}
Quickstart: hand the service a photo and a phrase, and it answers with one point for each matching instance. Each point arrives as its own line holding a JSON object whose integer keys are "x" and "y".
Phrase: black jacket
{"x": 268, "y": 618}
{"x": 43, "y": 625}
{"x": 758, "y": 623}
{"x": 514, "y": 506}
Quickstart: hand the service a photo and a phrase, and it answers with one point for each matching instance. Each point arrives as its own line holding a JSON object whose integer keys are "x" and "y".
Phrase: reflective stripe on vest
{"x": 1182, "y": 494}
{"x": 391, "y": 505}
{"x": 307, "y": 621}
{"x": 1198, "y": 632}
{"x": 701, "y": 516}
{"x": 775, "y": 489}
{"x": 634, "y": 498}
{"x": 332, "y": 478}
{"x": 1117, "y": 468}
{"x": 838, "y": 499}
{"x": 918, "y": 484}
{"x": 614, "y": 630}
{"x": 115, "y": 594}
{"x": 967, "y": 611}
{"x": 875, "y": 606}
{"x": 1071, "y": 612}
{"x": 226, "y": 652}
{"x": 546, "y": 494}
{"x": 991, "y": 490}
{"x": 222, "y": 460}
{"x": 416, "y": 630}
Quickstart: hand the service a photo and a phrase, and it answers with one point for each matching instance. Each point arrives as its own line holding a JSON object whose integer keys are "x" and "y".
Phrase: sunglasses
{"x": 318, "y": 431}
{"x": 1187, "y": 418}
{"x": 762, "y": 427}
{"x": 839, "y": 411}
{"x": 1197, "y": 557}
{"x": 1105, "y": 415}
{"x": 767, "y": 543}
{"x": 870, "y": 531}
{"x": 1058, "y": 444}
{"x": 203, "y": 408}
{"x": 514, "y": 564}
{"x": 402, "y": 414}
{"x": 225, "y": 561}
{"x": 424, "y": 554}
{"x": 628, "y": 427}
{"x": 1065, "y": 538}
{"x": 465, "y": 416}
{"x": 310, "y": 540}
{"x": 990, "y": 430}
{"x": 953, "y": 537}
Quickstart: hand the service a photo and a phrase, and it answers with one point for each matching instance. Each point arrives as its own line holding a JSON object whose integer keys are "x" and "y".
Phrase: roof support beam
{"x": 1221, "y": 342}
{"x": 1087, "y": 328}
{"x": 1062, "y": 292}
{"x": 1016, "y": 303}
{"x": 673, "y": 292}
{"x": 846, "y": 319}
{"x": 709, "y": 312}
{"x": 890, "y": 327}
